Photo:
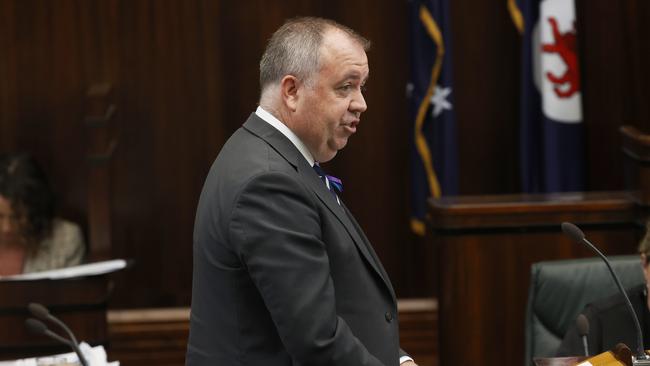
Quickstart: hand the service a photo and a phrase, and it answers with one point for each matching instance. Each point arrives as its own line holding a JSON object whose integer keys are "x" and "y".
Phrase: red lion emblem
{"x": 565, "y": 47}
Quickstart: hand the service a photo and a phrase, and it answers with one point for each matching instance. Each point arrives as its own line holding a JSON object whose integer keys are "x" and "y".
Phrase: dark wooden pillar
{"x": 100, "y": 112}
{"x": 636, "y": 147}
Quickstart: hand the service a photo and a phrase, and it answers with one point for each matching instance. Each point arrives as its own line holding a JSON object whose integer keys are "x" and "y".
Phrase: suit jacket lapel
{"x": 283, "y": 146}
{"x": 318, "y": 186}
{"x": 379, "y": 267}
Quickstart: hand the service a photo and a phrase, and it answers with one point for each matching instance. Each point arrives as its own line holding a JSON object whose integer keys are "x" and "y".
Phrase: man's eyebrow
{"x": 355, "y": 75}
{"x": 352, "y": 75}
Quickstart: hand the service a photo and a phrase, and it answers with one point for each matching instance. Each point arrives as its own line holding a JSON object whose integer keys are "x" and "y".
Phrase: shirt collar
{"x": 286, "y": 131}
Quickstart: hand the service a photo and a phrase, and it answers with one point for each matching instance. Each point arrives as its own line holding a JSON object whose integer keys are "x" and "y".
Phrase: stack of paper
{"x": 96, "y": 356}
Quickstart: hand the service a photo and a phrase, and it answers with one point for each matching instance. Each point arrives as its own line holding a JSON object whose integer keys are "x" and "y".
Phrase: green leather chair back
{"x": 560, "y": 289}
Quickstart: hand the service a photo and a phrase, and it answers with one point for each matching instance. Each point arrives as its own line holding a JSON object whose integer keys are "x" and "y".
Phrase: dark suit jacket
{"x": 610, "y": 323}
{"x": 283, "y": 275}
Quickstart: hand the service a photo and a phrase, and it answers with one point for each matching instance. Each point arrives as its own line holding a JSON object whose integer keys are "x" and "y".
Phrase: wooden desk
{"x": 80, "y": 303}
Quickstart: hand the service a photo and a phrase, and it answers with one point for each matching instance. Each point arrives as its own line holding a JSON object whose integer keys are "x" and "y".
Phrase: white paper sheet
{"x": 90, "y": 269}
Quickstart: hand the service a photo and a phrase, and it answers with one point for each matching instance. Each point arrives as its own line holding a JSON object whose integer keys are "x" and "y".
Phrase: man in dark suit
{"x": 283, "y": 274}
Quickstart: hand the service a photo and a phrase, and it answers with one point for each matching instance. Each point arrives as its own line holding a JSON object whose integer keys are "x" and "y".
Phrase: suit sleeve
{"x": 275, "y": 228}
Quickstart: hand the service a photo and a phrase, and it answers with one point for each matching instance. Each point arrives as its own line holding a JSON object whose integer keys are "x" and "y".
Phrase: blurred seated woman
{"x": 31, "y": 238}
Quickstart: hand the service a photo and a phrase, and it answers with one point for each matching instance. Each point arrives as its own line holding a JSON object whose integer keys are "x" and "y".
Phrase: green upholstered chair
{"x": 560, "y": 289}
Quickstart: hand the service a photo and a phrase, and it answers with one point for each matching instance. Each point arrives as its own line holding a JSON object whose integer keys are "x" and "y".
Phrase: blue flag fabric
{"x": 434, "y": 166}
{"x": 551, "y": 129}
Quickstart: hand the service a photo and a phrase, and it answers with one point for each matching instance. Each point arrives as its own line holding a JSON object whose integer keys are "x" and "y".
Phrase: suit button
{"x": 388, "y": 316}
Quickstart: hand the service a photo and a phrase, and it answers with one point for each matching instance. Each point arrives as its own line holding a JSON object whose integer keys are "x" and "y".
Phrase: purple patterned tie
{"x": 334, "y": 184}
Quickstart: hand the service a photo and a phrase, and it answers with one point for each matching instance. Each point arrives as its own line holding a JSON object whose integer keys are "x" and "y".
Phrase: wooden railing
{"x": 159, "y": 336}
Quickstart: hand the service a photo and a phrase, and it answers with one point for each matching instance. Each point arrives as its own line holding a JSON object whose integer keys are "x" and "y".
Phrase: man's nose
{"x": 358, "y": 104}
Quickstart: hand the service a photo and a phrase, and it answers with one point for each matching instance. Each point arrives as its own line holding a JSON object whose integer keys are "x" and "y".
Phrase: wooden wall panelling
{"x": 185, "y": 73}
{"x": 486, "y": 52}
{"x": 8, "y": 77}
{"x": 615, "y": 53}
{"x": 185, "y": 77}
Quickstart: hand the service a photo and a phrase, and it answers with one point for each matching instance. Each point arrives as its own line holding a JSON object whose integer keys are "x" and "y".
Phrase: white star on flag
{"x": 439, "y": 100}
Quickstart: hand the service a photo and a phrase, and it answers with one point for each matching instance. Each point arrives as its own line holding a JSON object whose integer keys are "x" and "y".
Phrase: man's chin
{"x": 327, "y": 157}
{"x": 341, "y": 143}
{"x": 332, "y": 150}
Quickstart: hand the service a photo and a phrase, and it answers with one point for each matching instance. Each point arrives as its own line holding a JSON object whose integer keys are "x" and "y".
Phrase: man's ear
{"x": 289, "y": 87}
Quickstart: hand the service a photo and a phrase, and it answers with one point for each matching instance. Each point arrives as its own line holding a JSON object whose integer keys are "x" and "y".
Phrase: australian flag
{"x": 434, "y": 167}
{"x": 552, "y": 132}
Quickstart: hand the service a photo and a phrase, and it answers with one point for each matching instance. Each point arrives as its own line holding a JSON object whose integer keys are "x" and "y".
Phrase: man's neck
{"x": 287, "y": 132}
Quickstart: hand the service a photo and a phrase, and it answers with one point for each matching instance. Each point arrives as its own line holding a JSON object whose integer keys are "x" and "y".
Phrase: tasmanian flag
{"x": 552, "y": 132}
{"x": 434, "y": 168}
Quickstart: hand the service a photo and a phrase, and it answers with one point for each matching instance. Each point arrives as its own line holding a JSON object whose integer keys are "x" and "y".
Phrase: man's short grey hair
{"x": 294, "y": 49}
